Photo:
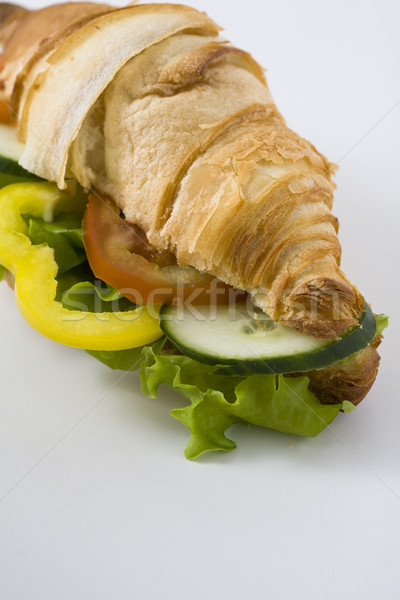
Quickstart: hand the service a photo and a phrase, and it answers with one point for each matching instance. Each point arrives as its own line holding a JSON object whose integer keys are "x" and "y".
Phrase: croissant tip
{"x": 323, "y": 307}
{"x": 349, "y": 380}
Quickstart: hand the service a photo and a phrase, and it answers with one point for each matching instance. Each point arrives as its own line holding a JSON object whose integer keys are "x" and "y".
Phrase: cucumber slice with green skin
{"x": 10, "y": 152}
{"x": 255, "y": 344}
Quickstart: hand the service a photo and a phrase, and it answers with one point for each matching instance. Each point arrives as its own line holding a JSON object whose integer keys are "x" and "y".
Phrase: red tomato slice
{"x": 120, "y": 254}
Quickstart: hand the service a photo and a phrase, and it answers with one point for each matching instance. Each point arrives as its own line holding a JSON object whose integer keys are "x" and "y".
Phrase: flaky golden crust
{"x": 180, "y": 128}
{"x": 350, "y": 379}
{"x": 24, "y": 31}
{"x": 315, "y": 301}
{"x": 9, "y": 12}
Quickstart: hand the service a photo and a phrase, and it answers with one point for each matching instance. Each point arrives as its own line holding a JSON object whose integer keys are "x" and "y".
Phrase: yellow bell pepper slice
{"x": 35, "y": 271}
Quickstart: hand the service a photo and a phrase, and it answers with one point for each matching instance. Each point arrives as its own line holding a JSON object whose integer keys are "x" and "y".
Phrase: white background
{"x": 97, "y": 500}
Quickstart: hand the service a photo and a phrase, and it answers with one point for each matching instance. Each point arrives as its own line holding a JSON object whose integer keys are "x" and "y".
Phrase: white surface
{"x": 97, "y": 498}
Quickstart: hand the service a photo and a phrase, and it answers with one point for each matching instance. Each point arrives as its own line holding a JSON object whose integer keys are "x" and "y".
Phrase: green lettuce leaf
{"x": 64, "y": 235}
{"x": 96, "y": 297}
{"x": 347, "y": 407}
{"x": 76, "y": 275}
{"x": 11, "y": 172}
{"x": 67, "y": 224}
{"x": 216, "y": 401}
{"x": 125, "y": 360}
{"x": 8, "y": 179}
{"x": 219, "y": 401}
{"x": 382, "y": 321}
{"x": 78, "y": 288}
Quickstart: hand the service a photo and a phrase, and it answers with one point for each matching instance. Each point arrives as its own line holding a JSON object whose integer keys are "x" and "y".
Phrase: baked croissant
{"x": 149, "y": 105}
{"x": 153, "y": 108}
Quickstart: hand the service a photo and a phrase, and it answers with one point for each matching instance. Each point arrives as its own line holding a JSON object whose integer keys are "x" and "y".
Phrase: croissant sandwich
{"x": 156, "y": 211}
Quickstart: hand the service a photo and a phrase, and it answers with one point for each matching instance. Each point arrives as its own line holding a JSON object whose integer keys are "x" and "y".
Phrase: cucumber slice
{"x": 254, "y": 343}
{"x": 10, "y": 153}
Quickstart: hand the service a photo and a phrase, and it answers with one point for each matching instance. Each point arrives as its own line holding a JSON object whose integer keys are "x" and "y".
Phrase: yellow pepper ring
{"x": 35, "y": 271}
